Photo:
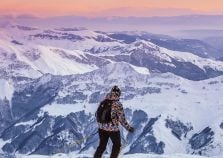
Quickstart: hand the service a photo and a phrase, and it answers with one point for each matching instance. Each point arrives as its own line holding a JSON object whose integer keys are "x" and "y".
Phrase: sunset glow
{"x": 102, "y": 7}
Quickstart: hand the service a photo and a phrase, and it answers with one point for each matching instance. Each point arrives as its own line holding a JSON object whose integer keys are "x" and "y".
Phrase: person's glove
{"x": 131, "y": 129}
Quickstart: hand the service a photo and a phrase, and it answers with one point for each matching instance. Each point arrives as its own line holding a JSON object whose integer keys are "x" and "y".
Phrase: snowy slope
{"x": 195, "y": 104}
{"x": 71, "y": 71}
{"x": 65, "y": 51}
{"x": 188, "y": 57}
{"x": 7, "y": 89}
{"x": 51, "y": 62}
{"x": 161, "y": 54}
{"x": 55, "y": 51}
{"x": 121, "y": 156}
{"x": 46, "y": 59}
{"x": 67, "y": 38}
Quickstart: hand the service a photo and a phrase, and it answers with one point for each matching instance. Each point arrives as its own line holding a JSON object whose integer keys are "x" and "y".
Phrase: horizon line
{"x": 29, "y": 15}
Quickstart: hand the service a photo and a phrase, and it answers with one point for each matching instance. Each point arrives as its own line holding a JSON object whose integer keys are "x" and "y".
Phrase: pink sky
{"x": 110, "y": 7}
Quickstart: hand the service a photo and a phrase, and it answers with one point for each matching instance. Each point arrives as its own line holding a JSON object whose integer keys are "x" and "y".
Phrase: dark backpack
{"x": 103, "y": 113}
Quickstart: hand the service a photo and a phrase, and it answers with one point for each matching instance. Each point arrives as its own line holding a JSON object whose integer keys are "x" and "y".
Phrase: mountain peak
{"x": 144, "y": 45}
{"x": 120, "y": 73}
{"x": 122, "y": 68}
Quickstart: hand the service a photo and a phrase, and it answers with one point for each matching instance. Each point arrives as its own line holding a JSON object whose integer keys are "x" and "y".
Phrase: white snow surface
{"x": 53, "y": 63}
{"x": 196, "y": 102}
{"x": 49, "y": 61}
{"x": 6, "y": 89}
{"x": 141, "y": 70}
{"x": 31, "y": 122}
{"x": 199, "y": 102}
{"x": 73, "y": 155}
{"x": 196, "y": 60}
{"x": 61, "y": 109}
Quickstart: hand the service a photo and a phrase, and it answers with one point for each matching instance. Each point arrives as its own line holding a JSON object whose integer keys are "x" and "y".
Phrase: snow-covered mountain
{"x": 168, "y": 112}
{"x": 52, "y": 82}
{"x": 197, "y": 47}
{"x": 65, "y": 51}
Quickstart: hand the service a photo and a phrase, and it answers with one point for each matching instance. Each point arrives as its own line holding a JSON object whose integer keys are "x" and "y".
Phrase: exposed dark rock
{"x": 146, "y": 142}
{"x": 221, "y": 125}
{"x": 64, "y": 36}
{"x": 139, "y": 117}
{"x": 31, "y": 99}
{"x": 5, "y": 114}
{"x": 32, "y": 54}
{"x": 16, "y": 42}
{"x": 202, "y": 139}
{"x": 96, "y": 97}
{"x": 178, "y": 129}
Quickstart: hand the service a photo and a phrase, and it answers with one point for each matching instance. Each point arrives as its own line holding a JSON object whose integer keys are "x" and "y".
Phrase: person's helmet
{"x": 115, "y": 90}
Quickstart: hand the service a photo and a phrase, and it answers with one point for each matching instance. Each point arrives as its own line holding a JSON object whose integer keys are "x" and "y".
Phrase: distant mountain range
{"x": 172, "y": 25}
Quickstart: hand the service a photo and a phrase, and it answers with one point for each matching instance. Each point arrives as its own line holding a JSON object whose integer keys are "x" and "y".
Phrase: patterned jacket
{"x": 117, "y": 116}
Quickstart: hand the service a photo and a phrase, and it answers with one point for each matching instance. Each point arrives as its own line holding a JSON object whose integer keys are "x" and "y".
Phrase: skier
{"x": 109, "y": 114}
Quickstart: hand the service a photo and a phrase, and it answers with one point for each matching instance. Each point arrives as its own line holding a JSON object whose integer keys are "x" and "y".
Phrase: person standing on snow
{"x": 109, "y": 114}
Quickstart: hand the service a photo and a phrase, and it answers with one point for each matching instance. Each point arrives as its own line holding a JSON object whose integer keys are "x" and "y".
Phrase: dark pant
{"x": 104, "y": 136}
